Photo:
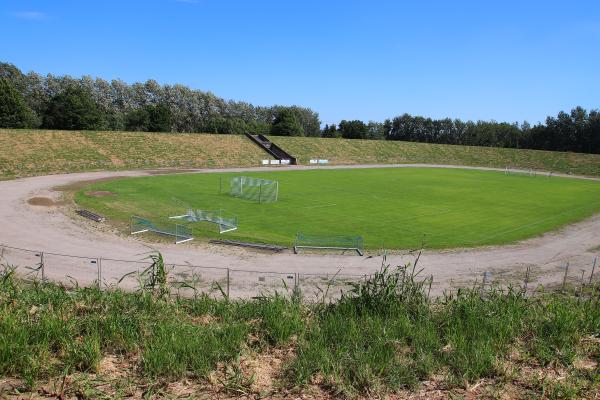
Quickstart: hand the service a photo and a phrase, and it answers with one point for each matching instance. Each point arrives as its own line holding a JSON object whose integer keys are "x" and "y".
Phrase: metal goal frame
{"x": 326, "y": 242}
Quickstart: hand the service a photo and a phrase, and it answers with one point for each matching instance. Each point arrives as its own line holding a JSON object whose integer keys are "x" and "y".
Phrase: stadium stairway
{"x": 271, "y": 148}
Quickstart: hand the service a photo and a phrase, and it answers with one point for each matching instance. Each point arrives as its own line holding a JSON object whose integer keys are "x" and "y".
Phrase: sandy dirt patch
{"x": 99, "y": 193}
{"x": 45, "y": 202}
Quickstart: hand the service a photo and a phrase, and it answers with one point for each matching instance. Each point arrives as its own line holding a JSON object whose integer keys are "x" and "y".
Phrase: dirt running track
{"x": 50, "y": 230}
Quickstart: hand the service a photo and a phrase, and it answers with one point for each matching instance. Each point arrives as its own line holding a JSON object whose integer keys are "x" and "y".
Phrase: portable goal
{"x": 326, "y": 242}
{"x": 255, "y": 189}
{"x": 218, "y": 217}
{"x": 181, "y": 232}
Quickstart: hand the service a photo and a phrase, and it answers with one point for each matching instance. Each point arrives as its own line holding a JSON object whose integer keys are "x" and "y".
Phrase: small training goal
{"x": 181, "y": 232}
{"x": 255, "y": 189}
{"x": 225, "y": 223}
{"x": 327, "y": 242}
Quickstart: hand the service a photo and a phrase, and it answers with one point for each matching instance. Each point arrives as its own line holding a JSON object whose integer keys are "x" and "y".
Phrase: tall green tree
{"x": 160, "y": 118}
{"x": 375, "y": 130}
{"x": 353, "y": 129}
{"x": 330, "y": 131}
{"x": 137, "y": 120}
{"x": 14, "y": 112}
{"x": 150, "y": 118}
{"x": 72, "y": 109}
{"x": 286, "y": 123}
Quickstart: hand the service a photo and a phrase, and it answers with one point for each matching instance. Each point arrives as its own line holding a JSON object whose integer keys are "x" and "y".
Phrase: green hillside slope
{"x": 345, "y": 151}
{"x": 39, "y": 152}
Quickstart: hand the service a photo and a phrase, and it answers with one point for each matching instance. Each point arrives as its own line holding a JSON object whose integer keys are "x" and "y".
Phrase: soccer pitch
{"x": 393, "y": 208}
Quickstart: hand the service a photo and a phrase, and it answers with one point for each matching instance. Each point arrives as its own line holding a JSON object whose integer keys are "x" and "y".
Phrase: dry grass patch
{"x": 37, "y": 152}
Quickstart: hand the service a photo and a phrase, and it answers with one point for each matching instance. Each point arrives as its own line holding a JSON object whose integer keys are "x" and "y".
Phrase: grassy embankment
{"x": 385, "y": 336}
{"x": 343, "y": 151}
{"x": 39, "y": 152}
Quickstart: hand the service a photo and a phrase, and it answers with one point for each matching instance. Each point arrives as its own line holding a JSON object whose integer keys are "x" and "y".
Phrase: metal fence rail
{"x": 184, "y": 280}
{"x": 192, "y": 280}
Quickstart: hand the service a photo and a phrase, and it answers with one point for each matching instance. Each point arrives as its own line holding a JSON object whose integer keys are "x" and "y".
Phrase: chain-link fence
{"x": 192, "y": 280}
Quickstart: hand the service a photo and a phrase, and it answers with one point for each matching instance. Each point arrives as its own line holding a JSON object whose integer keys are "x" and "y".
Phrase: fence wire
{"x": 193, "y": 280}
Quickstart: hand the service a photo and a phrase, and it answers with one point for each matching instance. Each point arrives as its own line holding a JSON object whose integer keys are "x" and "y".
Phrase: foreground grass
{"x": 384, "y": 336}
{"x": 38, "y": 152}
{"x": 444, "y": 208}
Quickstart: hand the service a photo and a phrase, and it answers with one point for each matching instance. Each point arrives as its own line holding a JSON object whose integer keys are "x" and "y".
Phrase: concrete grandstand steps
{"x": 271, "y": 148}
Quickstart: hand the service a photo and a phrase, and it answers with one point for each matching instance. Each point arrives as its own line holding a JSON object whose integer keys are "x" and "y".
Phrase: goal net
{"x": 225, "y": 223}
{"x": 181, "y": 232}
{"x": 255, "y": 189}
{"x": 303, "y": 241}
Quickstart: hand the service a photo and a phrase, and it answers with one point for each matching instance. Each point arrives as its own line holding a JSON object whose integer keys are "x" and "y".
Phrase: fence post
{"x": 227, "y": 283}
{"x": 42, "y": 266}
{"x": 565, "y": 277}
{"x": 485, "y": 275}
{"x": 593, "y": 269}
{"x": 430, "y": 283}
{"x": 99, "y": 263}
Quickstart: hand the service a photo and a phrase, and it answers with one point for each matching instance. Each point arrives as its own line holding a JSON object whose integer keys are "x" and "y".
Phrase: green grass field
{"x": 392, "y": 208}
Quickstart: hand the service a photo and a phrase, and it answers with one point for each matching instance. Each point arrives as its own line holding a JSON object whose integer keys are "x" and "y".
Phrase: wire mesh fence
{"x": 193, "y": 280}
{"x": 24, "y": 263}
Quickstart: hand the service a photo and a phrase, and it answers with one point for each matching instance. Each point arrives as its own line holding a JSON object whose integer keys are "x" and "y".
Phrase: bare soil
{"x": 45, "y": 202}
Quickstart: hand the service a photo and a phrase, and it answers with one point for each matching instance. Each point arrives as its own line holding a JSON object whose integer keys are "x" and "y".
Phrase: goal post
{"x": 328, "y": 242}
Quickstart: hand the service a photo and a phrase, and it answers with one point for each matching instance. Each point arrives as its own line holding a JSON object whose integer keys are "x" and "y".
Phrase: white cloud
{"x": 31, "y": 15}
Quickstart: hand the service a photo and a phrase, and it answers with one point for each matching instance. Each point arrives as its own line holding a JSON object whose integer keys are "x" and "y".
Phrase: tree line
{"x": 63, "y": 102}
{"x": 576, "y": 131}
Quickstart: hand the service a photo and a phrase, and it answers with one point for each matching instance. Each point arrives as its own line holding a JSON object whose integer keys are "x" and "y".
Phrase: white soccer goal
{"x": 256, "y": 189}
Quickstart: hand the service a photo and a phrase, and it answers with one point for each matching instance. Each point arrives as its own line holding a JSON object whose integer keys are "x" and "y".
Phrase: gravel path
{"x": 49, "y": 229}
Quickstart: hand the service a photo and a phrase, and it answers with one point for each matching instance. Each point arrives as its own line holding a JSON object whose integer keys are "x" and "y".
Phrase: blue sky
{"x": 369, "y": 60}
